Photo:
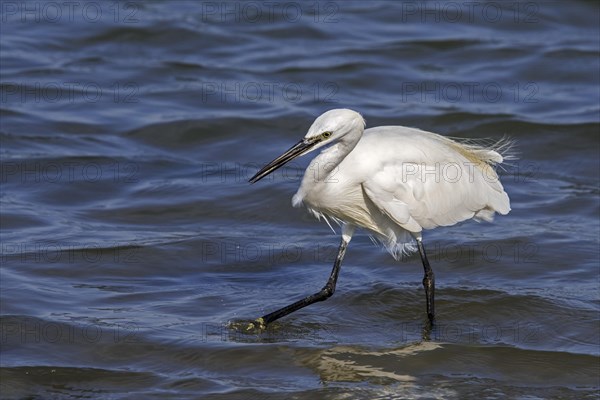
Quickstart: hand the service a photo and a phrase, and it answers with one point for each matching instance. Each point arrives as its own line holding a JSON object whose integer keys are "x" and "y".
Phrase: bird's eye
{"x": 326, "y": 135}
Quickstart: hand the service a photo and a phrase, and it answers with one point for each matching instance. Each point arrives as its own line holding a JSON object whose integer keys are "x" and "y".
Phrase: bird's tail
{"x": 489, "y": 151}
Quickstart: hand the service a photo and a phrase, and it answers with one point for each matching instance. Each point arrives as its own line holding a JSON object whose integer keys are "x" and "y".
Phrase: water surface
{"x": 131, "y": 238}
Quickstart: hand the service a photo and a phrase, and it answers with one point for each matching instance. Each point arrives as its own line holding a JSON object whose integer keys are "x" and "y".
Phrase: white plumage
{"x": 393, "y": 181}
{"x": 396, "y": 181}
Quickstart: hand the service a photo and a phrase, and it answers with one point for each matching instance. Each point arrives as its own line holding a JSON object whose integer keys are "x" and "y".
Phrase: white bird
{"x": 393, "y": 181}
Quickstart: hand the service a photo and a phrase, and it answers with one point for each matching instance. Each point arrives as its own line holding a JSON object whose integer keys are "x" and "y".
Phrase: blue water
{"x": 131, "y": 239}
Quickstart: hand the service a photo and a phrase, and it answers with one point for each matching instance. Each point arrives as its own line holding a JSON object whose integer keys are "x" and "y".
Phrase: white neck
{"x": 328, "y": 160}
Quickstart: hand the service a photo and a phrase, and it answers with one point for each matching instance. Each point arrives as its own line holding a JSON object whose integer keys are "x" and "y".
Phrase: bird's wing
{"x": 421, "y": 195}
{"x": 392, "y": 200}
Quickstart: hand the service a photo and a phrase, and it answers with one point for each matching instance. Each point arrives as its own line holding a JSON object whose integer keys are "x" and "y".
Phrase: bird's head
{"x": 329, "y": 127}
{"x": 333, "y": 125}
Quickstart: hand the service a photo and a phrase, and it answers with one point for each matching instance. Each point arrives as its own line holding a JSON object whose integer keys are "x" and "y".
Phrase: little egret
{"x": 393, "y": 181}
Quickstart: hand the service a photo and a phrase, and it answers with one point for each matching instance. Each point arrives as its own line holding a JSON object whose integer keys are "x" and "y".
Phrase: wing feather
{"x": 434, "y": 181}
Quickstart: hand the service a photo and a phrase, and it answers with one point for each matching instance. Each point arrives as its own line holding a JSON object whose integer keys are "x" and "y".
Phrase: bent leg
{"x": 326, "y": 292}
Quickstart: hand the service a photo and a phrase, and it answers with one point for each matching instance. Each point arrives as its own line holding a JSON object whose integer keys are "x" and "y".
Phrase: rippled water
{"x": 131, "y": 238}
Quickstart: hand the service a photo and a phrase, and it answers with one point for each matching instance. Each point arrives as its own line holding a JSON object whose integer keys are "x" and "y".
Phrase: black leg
{"x": 321, "y": 295}
{"x": 428, "y": 282}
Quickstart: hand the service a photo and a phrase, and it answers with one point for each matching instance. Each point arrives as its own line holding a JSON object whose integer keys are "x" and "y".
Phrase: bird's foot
{"x": 248, "y": 327}
{"x": 257, "y": 324}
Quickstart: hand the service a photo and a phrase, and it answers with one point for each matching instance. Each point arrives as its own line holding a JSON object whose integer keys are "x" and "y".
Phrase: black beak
{"x": 298, "y": 149}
